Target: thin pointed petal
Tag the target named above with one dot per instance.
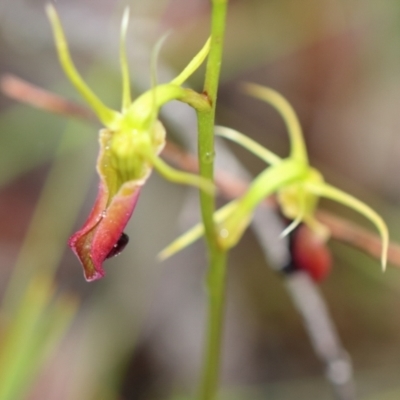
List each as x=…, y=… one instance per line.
x=299, y=218
x=291, y=227
x=330, y=192
x=251, y=145
x=195, y=63
x=298, y=148
x=182, y=242
x=266, y=183
x=126, y=83
x=271, y=180
x=105, y=114
x=153, y=68
x=195, y=233
x=154, y=58
x=181, y=177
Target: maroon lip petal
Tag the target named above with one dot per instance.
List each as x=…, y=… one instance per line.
x=94, y=216
x=111, y=227
x=103, y=229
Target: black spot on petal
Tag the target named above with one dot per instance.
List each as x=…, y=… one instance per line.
x=119, y=246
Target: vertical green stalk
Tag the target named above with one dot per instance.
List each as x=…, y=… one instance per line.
x=217, y=257
x=216, y=279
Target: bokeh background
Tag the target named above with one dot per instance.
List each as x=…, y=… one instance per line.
x=138, y=333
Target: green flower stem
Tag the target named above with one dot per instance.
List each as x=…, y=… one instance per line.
x=206, y=118
x=216, y=283
x=141, y=109
x=217, y=257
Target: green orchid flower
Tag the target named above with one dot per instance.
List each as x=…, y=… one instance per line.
x=298, y=187
x=130, y=144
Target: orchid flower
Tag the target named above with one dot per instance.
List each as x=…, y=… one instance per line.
x=130, y=144
x=298, y=187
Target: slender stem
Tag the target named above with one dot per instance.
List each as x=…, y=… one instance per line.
x=206, y=118
x=216, y=282
x=217, y=257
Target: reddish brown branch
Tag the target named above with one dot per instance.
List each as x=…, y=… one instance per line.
x=229, y=186
x=25, y=92
x=356, y=236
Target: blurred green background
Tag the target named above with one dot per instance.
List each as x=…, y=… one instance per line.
x=138, y=332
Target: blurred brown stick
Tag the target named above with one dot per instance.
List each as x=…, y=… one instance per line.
x=228, y=185
x=25, y=92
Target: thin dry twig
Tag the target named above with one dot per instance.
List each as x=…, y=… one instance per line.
x=228, y=185
x=25, y=92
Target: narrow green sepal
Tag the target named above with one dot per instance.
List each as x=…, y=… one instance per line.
x=195, y=63
x=181, y=177
x=106, y=115
x=251, y=145
x=266, y=183
x=194, y=233
x=330, y=192
x=298, y=149
x=126, y=82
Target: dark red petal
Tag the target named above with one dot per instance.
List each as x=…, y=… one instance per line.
x=311, y=254
x=94, y=216
x=103, y=229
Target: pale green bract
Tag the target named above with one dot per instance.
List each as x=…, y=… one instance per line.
x=298, y=187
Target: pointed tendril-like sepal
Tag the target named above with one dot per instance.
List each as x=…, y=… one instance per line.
x=106, y=115
x=180, y=177
x=265, y=184
x=332, y=193
x=154, y=58
x=144, y=110
x=251, y=145
x=195, y=233
x=154, y=107
x=298, y=148
x=126, y=83
x=193, y=65
x=293, y=225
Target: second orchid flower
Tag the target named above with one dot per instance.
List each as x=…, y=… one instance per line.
x=298, y=187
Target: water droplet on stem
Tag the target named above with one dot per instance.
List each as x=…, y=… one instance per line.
x=209, y=157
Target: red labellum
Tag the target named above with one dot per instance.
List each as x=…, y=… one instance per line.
x=311, y=254
x=102, y=235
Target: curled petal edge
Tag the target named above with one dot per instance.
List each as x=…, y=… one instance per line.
x=102, y=230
